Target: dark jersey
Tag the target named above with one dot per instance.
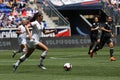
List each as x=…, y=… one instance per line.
x=94, y=35
x=95, y=25
x=106, y=36
x=108, y=26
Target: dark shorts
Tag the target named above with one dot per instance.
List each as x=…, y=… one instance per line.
x=94, y=37
x=105, y=40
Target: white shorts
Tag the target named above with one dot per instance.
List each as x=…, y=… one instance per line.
x=22, y=41
x=32, y=43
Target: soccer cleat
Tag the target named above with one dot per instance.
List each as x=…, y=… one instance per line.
x=112, y=59
x=42, y=67
x=14, y=53
x=91, y=54
x=15, y=67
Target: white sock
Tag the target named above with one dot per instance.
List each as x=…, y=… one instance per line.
x=18, y=62
x=43, y=55
x=22, y=58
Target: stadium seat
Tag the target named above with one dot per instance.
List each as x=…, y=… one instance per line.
x=3, y=5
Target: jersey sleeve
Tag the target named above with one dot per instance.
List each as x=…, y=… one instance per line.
x=93, y=25
x=33, y=23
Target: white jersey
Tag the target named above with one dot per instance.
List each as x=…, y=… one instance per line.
x=37, y=29
x=23, y=30
x=22, y=36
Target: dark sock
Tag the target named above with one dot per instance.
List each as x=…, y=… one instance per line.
x=96, y=48
x=111, y=52
x=90, y=47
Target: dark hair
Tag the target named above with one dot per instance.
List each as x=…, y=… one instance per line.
x=36, y=16
x=95, y=17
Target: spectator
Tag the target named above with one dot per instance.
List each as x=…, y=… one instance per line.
x=19, y=13
x=9, y=4
x=115, y=12
x=35, y=10
x=24, y=13
x=14, y=11
x=9, y=25
x=10, y=17
x=1, y=24
x=118, y=23
x=4, y=20
x=31, y=1
x=1, y=14
x=14, y=23
x=15, y=4
x=22, y=5
x=1, y=1
x=29, y=12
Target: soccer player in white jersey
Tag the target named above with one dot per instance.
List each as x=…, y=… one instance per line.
x=21, y=31
x=33, y=42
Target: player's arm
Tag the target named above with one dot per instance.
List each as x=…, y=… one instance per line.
x=18, y=31
x=92, y=29
x=109, y=31
x=28, y=31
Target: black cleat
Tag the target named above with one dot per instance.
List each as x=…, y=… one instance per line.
x=14, y=68
x=14, y=53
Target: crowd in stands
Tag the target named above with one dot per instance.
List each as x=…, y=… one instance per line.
x=12, y=12
x=114, y=6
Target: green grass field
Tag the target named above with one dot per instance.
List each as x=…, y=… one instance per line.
x=84, y=68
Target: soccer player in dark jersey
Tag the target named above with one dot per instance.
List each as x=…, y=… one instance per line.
x=94, y=35
x=106, y=37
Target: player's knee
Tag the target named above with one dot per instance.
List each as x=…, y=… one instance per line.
x=46, y=49
x=24, y=49
x=111, y=45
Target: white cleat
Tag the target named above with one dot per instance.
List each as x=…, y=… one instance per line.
x=42, y=67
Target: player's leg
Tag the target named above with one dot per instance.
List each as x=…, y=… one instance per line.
x=91, y=46
x=94, y=47
x=110, y=44
x=43, y=47
x=99, y=45
x=92, y=42
x=17, y=51
x=23, y=58
x=24, y=48
x=95, y=40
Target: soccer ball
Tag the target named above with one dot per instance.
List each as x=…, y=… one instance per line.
x=67, y=66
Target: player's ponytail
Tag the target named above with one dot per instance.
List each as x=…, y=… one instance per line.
x=36, y=15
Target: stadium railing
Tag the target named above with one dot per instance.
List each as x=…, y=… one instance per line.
x=55, y=15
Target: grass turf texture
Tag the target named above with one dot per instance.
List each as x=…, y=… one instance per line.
x=84, y=68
